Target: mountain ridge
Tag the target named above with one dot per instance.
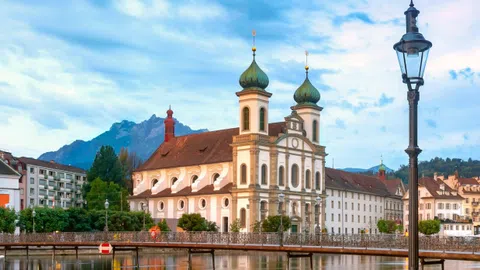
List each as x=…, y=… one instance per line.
x=373, y=169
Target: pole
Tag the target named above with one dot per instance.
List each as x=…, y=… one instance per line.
x=106, y=220
x=413, y=151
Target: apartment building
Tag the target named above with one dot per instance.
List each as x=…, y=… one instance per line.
x=52, y=184
x=9, y=187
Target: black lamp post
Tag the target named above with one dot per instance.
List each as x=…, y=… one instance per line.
x=106, y=215
x=33, y=219
x=412, y=52
x=143, y=210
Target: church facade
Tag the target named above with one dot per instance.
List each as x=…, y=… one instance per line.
x=238, y=173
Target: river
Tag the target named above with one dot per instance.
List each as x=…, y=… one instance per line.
x=223, y=260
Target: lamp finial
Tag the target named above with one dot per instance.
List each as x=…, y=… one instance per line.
x=411, y=3
x=306, y=63
x=254, y=49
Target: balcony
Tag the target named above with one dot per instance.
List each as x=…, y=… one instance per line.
x=45, y=197
x=475, y=203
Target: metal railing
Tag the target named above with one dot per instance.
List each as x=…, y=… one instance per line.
x=353, y=241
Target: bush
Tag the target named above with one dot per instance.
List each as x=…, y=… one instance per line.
x=235, y=226
x=196, y=223
x=7, y=220
x=163, y=226
x=272, y=223
x=429, y=227
x=386, y=226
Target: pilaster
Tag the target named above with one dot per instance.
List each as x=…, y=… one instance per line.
x=287, y=171
x=273, y=169
x=234, y=169
x=302, y=174
x=254, y=152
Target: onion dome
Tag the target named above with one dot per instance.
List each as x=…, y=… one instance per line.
x=254, y=78
x=306, y=94
x=382, y=167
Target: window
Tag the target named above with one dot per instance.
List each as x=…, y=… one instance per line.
x=346, y=206
x=447, y=206
x=358, y=208
x=263, y=210
x=421, y=217
x=466, y=200
x=154, y=182
x=353, y=208
x=307, y=179
x=262, y=119
x=203, y=203
x=226, y=202
x=370, y=208
x=280, y=176
x=32, y=191
x=174, y=180
x=314, y=129
x=317, y=180
x=454, y=206
x=421, y=206
x=181, y=204
x=32, y=170
x=339, y=205
x=332, y=218
x=429, y=206
x=358, y=219
x=440, y=206
x=294, y=175
x=243, y=174
x=51, y=173
x=32, y=180
x=161, y=205
x=332, y=204
x=264, y=175
x=194, y=178
x=246, y=118
x=339, y=218
x=364, y=219
x=42, y=171
x=243, y=217
x=364, y=207
x=375, y=208
x=339, y=230
x=215, y=177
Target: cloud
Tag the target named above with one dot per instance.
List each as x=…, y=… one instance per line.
x=340, y=124
x=384, y=100
x=361, y=16
x=431, y=123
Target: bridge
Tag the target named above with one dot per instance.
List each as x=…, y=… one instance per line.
x=294, y=244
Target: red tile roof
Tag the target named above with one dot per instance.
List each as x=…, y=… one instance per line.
x=434, y=185
x=187, y=191
x=51, y=165
x=201, y=148
x=467, y=181
x=338, y=179
x=392, y=185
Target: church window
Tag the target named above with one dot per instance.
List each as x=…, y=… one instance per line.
x=181, y=204
x=226, y=202
x=263, y=210
x=307, y=179
x=215, y=177
x=194, y=178
x=315, y=128
x=174, y=180
x=317, y=180
x=161, y=205
x=262, y=119
x=294, y=175
x=246, y=118
x=281, y=176
x=243, y=174
x=203, y=203
x=154, y=182
x=264, y=174
x=243, y=217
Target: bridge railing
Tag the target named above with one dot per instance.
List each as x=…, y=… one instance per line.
x=363, y=241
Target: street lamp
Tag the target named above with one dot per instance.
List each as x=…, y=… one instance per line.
x=412, y=52
x=318, y=200
x=33, y=215
x=106, y=215
x=281, y=199
x=143, y=209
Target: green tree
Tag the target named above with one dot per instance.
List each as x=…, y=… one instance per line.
x=129, y=161
x=429, y=227
x=78, y=220
x=235, y=226
x=46, y=219
x=162, y=224
x=386, y=226
x=101, y=190
x=211, y=226
x=272, y=223
x=106, y=166
x=7, y=220
x=196, y=223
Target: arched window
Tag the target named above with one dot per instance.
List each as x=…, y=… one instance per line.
x=264, y=174
x=243, y=174
x=263, y=210
x=243, y=217
x=194, y=178
x=174, y=180
x=215, y=177
x=280, y=176
x=246, y=118
x=317, y=213
x=262, y=119
x=154, y=182
x=317, y=180
x=314, y=131
x=294, y=175
x=307, y=179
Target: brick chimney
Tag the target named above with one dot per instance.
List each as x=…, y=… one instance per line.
x=169, y=124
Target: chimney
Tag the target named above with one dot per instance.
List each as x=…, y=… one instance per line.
x=52, y=161
x=435, y=175
x=169, y=124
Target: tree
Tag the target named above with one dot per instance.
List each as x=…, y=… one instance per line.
x=101, y=190
x=196, y=223
x=211, y=226
x=46, y=219
x=106, y=166
x=78, y=220
x=386, y=226
x=129, y=161
x=7, y=220
x=272, y=223
x=429, y=227
x=235, y=226
x=162, y=224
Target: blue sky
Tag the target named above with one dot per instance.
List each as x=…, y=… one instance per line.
x=69, y=69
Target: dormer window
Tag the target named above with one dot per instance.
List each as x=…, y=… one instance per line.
x=174, y=180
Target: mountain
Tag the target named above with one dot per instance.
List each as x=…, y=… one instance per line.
x=373, y=169
x=142, y=138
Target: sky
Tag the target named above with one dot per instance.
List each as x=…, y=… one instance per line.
x=70, y=69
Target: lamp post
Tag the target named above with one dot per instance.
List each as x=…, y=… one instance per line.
x=143, y=210
x=33, y=218
x=106, y=215
x=318, y=200
x=281, y=199
x=412, y=52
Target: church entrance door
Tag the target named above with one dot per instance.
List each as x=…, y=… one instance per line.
x=225, y=224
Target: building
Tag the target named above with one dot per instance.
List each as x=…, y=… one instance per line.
x=393, y=203
x=52, y=184
x=238, y=173
x=438, y=201
x=469, y=189
x=9, y=187
x=356, y=202
x=10, y=160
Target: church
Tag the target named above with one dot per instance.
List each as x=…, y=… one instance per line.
x=239, y=173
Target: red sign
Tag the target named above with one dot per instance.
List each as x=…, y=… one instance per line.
x=105, y=248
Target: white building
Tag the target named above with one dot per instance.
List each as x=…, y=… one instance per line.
x=9, y=187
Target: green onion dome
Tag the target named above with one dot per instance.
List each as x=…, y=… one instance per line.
x=254, y=77
x=306, y=94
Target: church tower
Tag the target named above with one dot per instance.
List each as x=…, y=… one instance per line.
x=307, y=97
x=382, y=171
x=253, y=99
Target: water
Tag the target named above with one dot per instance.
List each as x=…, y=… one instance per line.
x=159, y=260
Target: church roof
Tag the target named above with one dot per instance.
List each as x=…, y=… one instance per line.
x=433, y=187
x=187, y=191
x=342, y=180
x=197, y=149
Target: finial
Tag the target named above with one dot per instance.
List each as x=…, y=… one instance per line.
x=169, y=107
x=381, y=159
x=411, y=3
x=306, y=62
x=254, y=33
